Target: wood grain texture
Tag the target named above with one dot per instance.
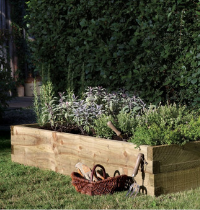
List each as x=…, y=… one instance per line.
x=174, y=157
x=170, y=168
x=85, y=148
x=177, y=180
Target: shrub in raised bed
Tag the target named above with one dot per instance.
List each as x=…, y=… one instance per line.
x=142, y=125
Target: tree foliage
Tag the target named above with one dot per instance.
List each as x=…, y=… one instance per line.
x=150, y=47
x=6, y=81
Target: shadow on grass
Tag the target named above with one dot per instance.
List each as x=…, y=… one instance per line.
x=5, y=140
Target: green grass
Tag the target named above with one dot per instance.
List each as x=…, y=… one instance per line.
x=24, y=187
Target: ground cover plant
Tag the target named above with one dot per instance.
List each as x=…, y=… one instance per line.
x=24, y=187
x=139, y=123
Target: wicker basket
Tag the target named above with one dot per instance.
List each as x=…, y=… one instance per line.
x=105, y=186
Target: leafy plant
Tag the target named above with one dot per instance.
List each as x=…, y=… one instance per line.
x=126, y=122
x=7, y=84
x=149, y=47
x=68, y=109
x=114, y=102
x=168, y=124
x=101, y=128
x=41, y=101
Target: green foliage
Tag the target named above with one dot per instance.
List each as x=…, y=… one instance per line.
x=126, y=122
x=101, y=128
x=20, y=39
x=169, y=124
x=6, y=81
x=150, y=47
x=67, y=109
x=41, y=101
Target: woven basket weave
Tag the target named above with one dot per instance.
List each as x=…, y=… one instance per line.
x=106, y=186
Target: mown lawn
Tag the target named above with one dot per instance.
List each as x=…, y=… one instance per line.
x=24, y=187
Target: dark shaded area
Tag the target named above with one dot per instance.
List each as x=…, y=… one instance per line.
x=5, y=140
x=18, y=116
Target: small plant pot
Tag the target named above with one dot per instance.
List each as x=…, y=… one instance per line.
x=20, y=91
x=29, y=86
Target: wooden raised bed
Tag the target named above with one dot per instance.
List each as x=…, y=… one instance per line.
x=170, y=168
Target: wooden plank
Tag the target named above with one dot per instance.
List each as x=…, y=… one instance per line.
x=33, y=157
x=177, y=181
x=29, y=136
x=174, y=153
x=179, y=166
x=65, y=164
x=101, y=150
x=98, y=149
x=175, y=168
x=174, y=157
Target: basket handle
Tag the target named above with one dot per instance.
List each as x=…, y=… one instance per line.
x=93, y=171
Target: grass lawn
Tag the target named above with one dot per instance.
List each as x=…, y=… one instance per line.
x=24, y=187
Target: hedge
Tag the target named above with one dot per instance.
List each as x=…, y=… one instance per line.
x=150, y=47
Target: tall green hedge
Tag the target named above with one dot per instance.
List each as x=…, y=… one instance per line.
x=147, y=46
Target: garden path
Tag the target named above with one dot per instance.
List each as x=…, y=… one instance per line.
x=20, y=111
x=21, y=102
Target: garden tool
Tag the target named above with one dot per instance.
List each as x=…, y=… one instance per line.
x=134, y=188
x=85, y=171
x=110, y=125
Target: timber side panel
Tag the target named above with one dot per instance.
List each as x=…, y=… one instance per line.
x=174, y=157
x=170, y=168
x=32, y=156
x=116, y=153
x=177, y=181
x=60, y=152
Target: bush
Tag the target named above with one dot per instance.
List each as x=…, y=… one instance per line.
x=155, y=125
x=150, y=47
x=70, y=110
x=169, y=124
x=165, y=124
